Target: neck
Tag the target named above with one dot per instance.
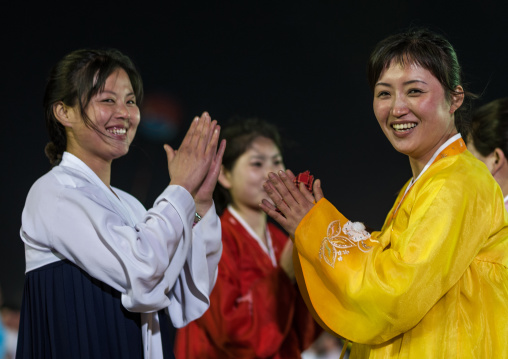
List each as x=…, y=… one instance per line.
x=101, y=168
x=255, y=218
x=501, y=177
x=418, y=163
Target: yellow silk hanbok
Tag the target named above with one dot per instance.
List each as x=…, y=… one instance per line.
x=433, y=283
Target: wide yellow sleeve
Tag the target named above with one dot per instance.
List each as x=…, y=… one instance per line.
x=369, y=292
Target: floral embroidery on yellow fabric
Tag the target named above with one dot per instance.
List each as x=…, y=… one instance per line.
x=338, y=239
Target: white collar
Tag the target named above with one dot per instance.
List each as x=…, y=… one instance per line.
x=267, y=249
x=71, y=161
x=438, y=151
x=429, y=163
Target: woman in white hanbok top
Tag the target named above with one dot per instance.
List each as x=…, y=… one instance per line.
x=104, y=275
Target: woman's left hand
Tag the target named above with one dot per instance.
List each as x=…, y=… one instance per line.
x=293, y=202
x=203, y=198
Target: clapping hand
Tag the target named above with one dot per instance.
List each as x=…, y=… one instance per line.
x=292, y=202
x=196, y=164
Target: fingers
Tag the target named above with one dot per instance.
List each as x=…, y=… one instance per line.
x=290, y=174
x=306, y=193
x=170, y=153
x=200, y=136
x=190, y=132
x=214, y=170
x=270, y=210
x=318, y=191
x=220, y=154
x=200, y=132
x=274, y=193
x=286, y=187
x=213, y=139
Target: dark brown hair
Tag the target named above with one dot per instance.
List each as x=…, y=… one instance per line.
x=489, y=127
x=74, y=80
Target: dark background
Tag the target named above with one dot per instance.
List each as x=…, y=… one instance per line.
x=299, y=64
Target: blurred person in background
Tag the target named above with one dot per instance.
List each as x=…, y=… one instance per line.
x=10, y=315
x=255, y=309
x=488, y=140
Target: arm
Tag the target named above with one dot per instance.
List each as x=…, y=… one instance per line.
x=190, y=294
x=129, y=250
x=365, y=296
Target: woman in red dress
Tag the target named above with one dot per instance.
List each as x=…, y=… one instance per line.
x=256, y=310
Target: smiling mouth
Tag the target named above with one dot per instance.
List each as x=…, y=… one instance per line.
x=117, y=131
x=400, y=127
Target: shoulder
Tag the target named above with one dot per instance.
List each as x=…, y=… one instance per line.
x=461, y=174
x=51, y=193
x=229, y=225
x=233, y=238
x=460, y=183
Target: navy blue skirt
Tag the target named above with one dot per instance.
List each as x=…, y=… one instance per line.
x=67, y=314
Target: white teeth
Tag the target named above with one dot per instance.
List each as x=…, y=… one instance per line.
x=403, y=126
x=118, y=131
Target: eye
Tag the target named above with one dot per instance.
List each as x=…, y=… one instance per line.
x=257, y=164
x=108, y=100
x=278, y=162
x=382, y=94
x=415, y=92
x=131, y=102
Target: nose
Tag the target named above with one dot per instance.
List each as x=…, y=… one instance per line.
x=275, y=168
x=399, y=107
x=123, y=111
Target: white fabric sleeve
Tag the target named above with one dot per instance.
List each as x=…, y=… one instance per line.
x=142, y=261
x=190, y=296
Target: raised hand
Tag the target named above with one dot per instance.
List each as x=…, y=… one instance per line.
x=203, y=198
x=293, y=203
x=189, y=166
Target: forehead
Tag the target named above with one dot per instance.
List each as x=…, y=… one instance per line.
x=118, y=77
x=406, y=71
x=262, y=146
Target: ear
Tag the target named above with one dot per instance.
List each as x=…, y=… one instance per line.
x=498, y=160
x=457, y=99
x=224, y=177
x=63, y=113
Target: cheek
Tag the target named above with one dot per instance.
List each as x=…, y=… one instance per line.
x=135, y=118
x=381, y=111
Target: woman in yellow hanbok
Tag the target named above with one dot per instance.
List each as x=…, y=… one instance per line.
x=433, y=283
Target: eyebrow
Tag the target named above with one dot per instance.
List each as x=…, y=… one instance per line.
x=260, y=156
x=405, y=83
x=114, y=93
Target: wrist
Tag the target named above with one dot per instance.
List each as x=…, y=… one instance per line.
x=203, y=206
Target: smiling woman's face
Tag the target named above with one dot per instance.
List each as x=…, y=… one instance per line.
x=115, y=115
x=413, y=111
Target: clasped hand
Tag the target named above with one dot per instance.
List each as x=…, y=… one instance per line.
x=292, y=202
x=196, y=164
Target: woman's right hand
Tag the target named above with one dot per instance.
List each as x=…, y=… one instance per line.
x=292, y=202
x=189, y=165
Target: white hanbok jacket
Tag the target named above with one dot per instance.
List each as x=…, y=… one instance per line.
x=155, y=258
